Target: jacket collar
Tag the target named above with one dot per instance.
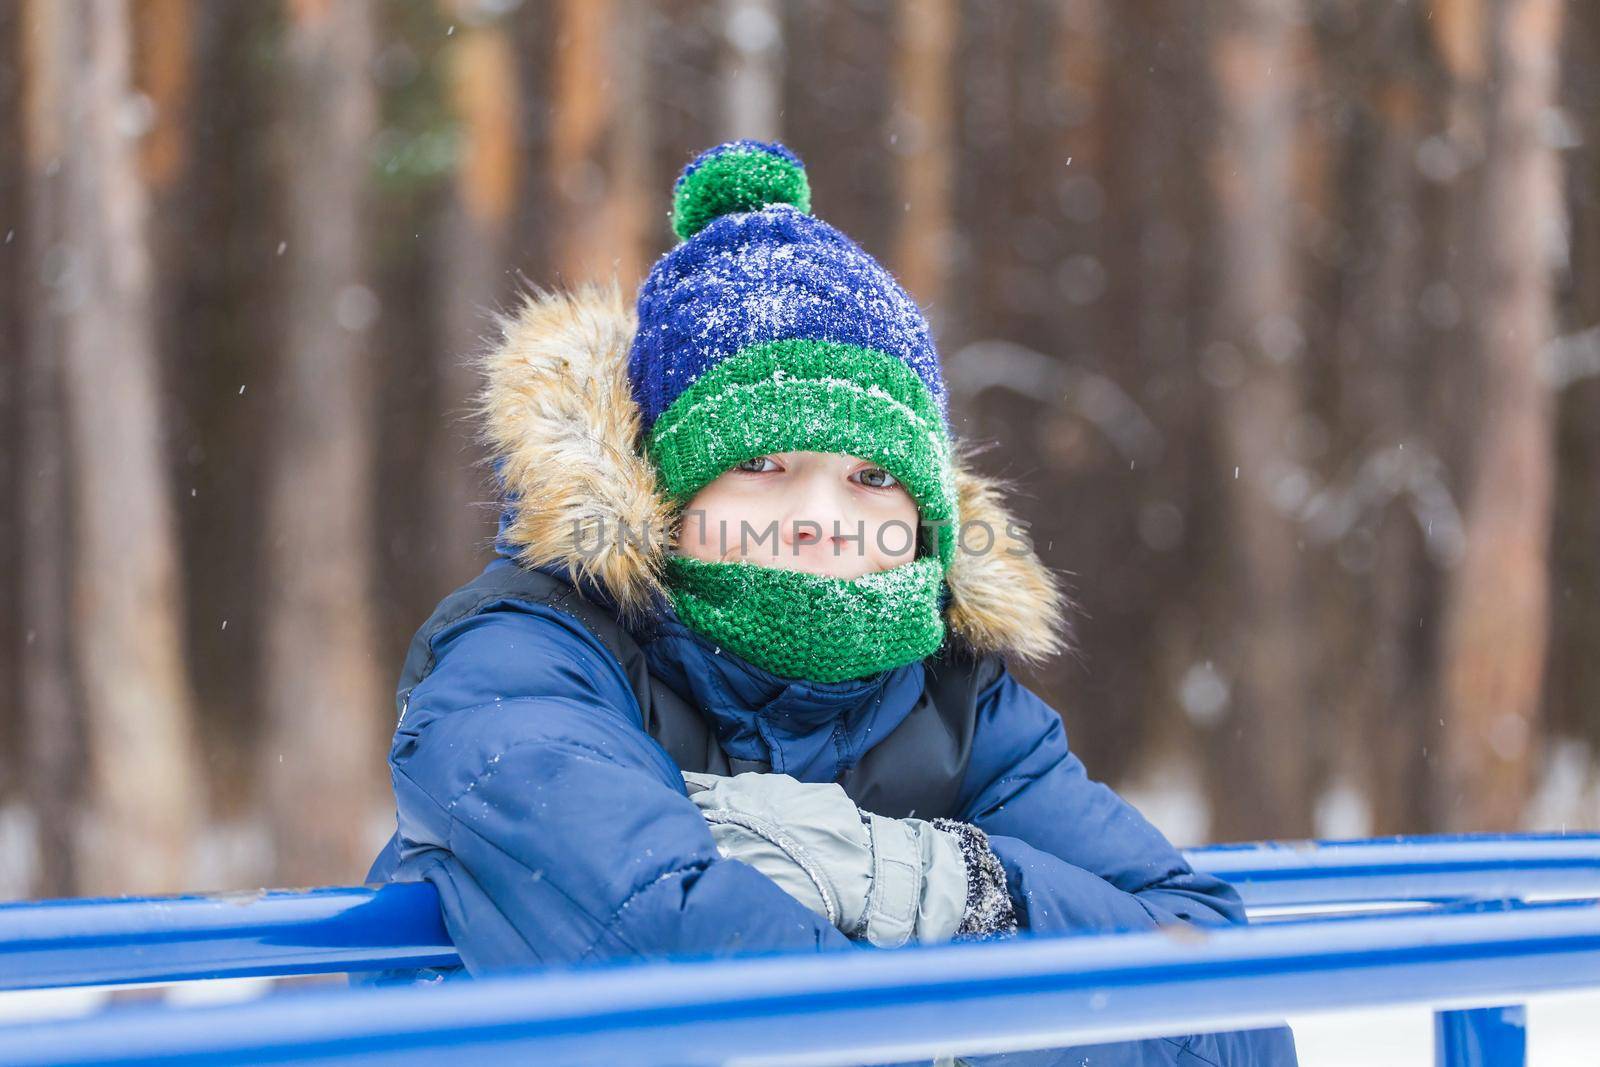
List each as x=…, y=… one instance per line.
x=812, y=730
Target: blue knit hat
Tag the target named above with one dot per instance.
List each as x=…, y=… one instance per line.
x=767, y=330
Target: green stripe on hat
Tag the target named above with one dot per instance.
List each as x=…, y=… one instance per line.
x=808, y=395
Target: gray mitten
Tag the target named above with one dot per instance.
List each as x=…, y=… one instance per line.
x=888, y=881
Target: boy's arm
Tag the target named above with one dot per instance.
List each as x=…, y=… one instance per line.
x=555, y=827
x=1077, y=856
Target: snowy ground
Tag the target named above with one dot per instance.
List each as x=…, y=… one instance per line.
x=1563, y=1030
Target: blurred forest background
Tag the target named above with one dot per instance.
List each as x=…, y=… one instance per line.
x=1284, y=315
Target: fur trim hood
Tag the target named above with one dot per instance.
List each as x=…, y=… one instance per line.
x=563, y=430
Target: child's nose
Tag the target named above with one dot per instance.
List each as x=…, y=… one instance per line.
x=815, y=510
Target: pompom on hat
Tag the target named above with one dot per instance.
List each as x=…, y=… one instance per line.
x=767, y=330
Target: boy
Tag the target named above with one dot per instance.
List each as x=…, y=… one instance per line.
x=738, y=679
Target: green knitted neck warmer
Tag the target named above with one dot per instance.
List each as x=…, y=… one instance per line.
x=802, y=625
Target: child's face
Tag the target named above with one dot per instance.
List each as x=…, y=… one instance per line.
x=823, y=512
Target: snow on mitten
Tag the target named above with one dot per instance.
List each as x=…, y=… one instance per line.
x=989, y=914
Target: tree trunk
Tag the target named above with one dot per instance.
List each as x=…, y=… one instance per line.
x=924, y=125
x=1495, y=625
x=12, y=373
x=1261, y=744
x=1574, y=676
x=144, y=783
x=48, y=728
x=472, y=281
x=826, y=71
x=1375, y=583
x=164, y=72
x=323, y=753
x=752, y=69
x=599, y=146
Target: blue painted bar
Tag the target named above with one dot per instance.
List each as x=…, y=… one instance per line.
x=868, y=1006
x=1481, y=1037
x=1428, y=868
x=89, y=942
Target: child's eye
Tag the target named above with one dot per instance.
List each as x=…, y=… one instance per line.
x=742, y=465
x=878, y=478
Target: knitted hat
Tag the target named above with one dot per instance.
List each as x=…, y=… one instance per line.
x=767, y=330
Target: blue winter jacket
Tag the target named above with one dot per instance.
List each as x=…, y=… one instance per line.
x=522, y=770
x=558, y=831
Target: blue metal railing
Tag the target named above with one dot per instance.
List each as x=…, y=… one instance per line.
x=1417, y=869
x=877, y=1006
x=227, y=935
x=92, y=942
